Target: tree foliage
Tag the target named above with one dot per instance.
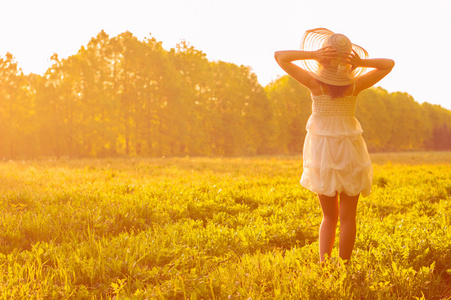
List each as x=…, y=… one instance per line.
x=120, y=96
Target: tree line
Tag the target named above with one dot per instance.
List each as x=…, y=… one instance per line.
x=121, y=96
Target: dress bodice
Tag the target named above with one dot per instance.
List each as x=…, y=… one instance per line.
x=325, y=105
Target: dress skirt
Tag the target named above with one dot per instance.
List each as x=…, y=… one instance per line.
x=335, y=157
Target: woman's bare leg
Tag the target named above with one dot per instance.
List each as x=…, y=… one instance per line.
x=348, y=208
x=329, y=205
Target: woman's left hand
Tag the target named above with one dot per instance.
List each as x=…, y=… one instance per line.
x=325, y=55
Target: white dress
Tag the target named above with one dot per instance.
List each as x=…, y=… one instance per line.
x=335, y=155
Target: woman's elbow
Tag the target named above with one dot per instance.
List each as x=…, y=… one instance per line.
x=390, y=64
x=280, y=57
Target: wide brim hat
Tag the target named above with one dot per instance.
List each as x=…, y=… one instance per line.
x=337, y=72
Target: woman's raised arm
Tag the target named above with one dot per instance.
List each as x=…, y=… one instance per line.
x=285, y=60
x=382, y=66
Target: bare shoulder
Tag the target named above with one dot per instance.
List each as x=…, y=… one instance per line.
x=315, y=88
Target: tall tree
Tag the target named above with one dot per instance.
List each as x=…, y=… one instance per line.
x=123, y=96
x=195, y=84
x=292, y=107
x=16, y=110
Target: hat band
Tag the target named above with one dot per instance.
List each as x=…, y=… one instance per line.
x=334, y=76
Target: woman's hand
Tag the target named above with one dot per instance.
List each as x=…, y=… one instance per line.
x=377, y=63
x=325, y=55
x=354, y=60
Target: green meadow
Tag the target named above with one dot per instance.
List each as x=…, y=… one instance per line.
x=217, y=228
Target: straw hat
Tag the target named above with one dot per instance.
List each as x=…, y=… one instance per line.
x=337, y=73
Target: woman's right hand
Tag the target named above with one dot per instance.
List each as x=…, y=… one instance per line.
x=354, y=60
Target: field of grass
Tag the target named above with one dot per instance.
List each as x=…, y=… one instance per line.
x=211, y=228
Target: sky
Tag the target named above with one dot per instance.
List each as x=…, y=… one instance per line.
x=414, y=33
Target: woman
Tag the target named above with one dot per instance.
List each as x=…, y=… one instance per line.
x=336, y=163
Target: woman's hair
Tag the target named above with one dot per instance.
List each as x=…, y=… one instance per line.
x=336, y=91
